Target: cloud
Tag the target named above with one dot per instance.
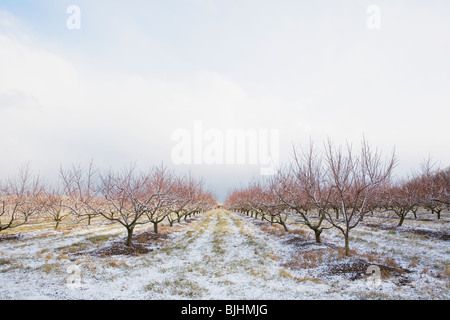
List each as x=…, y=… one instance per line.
x=55, y=112
x=118, y=90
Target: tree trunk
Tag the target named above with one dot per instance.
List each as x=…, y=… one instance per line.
x=57, y=225
x=284, y=225
x=155, y=227
x=89, y=220
x=129, y=236
x=347, y=246
x=402, y=218
x=438, y=214
x=317, y=233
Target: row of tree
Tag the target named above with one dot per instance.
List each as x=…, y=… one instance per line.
x=338, y=186
x=428, y=189
x=128, y=197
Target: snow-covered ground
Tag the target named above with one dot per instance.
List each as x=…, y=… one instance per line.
x=223, y=255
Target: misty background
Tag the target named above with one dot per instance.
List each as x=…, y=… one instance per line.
x=116, y=90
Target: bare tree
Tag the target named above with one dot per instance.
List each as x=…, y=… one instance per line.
x=443, y=179
x=338, y=178
x=127, y=196
x=435, y=185
x=9, y=214
x=302, y=190
x=401, y=198
x=354, y=181
x=20, y=198
x=55, y=207
x=80, y=187
x=163, y=197
x=260, y=199
x=182, y=191
x=269, y=203
x=120, y=197
x=200, y=199
x=206, y=200
x=28, y=188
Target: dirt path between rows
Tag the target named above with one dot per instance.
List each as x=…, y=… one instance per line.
x=221, y=258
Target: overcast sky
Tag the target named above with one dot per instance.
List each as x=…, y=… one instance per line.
x=137, y=72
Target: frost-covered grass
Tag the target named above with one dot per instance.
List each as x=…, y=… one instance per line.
x=224, y=255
